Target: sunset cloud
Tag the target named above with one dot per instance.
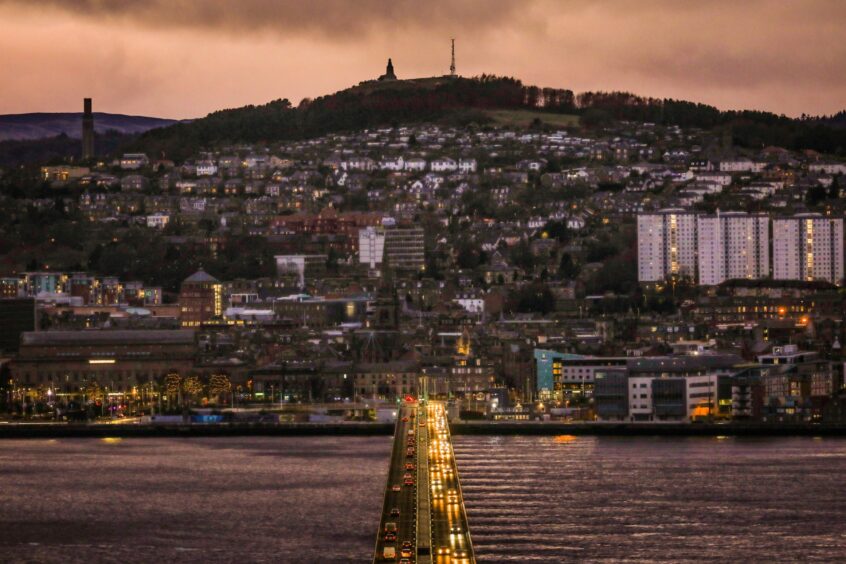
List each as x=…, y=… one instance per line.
x=184, y=58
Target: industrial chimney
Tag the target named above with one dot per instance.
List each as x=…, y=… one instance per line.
x=87, y=131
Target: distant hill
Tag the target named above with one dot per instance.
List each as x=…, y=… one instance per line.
x=482, y=100
x=369, y=104
x=22, y=127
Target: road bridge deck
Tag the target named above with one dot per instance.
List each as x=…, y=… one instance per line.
x=423, y=517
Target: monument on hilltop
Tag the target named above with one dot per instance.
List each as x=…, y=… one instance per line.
x=389, y=72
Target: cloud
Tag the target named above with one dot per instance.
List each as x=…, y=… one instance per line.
x=333, y=19
x=183, y=58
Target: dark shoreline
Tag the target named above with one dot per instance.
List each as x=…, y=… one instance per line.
x=54, y=431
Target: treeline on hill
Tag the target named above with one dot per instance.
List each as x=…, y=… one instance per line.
x=751, y=129
x=436, y=99
x=348, y=110
x=459, y=100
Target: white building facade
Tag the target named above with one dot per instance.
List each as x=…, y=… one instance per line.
x=371, y=246
x=733, y=245
x=808, y=247
x=666, y=245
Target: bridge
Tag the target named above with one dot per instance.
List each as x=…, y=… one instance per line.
x=423, y=517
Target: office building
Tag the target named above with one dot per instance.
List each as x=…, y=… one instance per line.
x=403, y=248
x=301, y=266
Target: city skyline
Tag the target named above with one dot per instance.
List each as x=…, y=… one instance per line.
x=183, y=60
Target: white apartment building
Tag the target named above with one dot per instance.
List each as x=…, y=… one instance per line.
x=808, y=247
x=443, y=164
x=733, y=245
x=471, y=303
x=466, y=165
x=666, y=244
x=828, y=168
x=742, y=165
x=158, y=220
x=371, y=246
x=206, y=168
x=415, y=164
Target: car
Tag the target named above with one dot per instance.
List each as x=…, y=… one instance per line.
x=409, y=466
x=409, y=453
x=395, y=512
x=407, y=544
x=396, y=488
x=390, y=527
x=404, y=561
x=409, y=482
x=407, y=476
x=405, y=419
x=390, y=537
x=455, y=530
x=389, y=553
x=405, y=552
x=422, y=423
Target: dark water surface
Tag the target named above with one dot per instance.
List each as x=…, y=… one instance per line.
x=316, y=499
x=607, y=499
x=256, y=499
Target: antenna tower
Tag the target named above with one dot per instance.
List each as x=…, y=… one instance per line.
x=452, y=65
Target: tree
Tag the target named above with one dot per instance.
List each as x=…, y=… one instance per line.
x=567, y=269
x=532, y=298
x=557, y=230
x=173, y=386
x=191, y=387
x=815, y=195
x=469, y=255
x=219, y=385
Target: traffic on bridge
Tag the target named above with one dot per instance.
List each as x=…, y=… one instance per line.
x=423, y=517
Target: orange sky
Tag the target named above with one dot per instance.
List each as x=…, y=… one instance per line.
x=185, y=58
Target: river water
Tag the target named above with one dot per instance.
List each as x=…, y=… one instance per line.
x=255, y=499
x=607, y=499
x=543, y=499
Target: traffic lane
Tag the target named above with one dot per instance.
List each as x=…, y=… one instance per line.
x=394, y=499
x=449, y=518
x=404, y=499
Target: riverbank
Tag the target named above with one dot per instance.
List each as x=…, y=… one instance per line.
x=537, y=428
x=58, y=430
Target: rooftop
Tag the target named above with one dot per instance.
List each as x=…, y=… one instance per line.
x=100, y=337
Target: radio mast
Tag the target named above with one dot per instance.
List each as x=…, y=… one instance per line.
x=452, y=65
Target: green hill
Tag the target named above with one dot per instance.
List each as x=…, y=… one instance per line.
x=484, y=99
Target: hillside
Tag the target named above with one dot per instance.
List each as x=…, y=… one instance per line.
x=483, y=100
x=46, y=125
x=369, y=104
